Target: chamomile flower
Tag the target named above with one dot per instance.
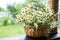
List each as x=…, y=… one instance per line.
x=35, y=25
x=47, y=14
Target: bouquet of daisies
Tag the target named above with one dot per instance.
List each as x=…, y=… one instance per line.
x=36, y=15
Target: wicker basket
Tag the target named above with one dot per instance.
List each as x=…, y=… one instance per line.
x=33, y=32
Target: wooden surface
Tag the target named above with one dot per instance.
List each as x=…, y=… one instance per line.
x=51, y=37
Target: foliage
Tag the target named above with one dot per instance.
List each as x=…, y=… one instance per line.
x=36, y=1
x=1, y=9
x=33, y=1
x=4, y=21
x=15, y=8
x=7, y=21
x=11, y=21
